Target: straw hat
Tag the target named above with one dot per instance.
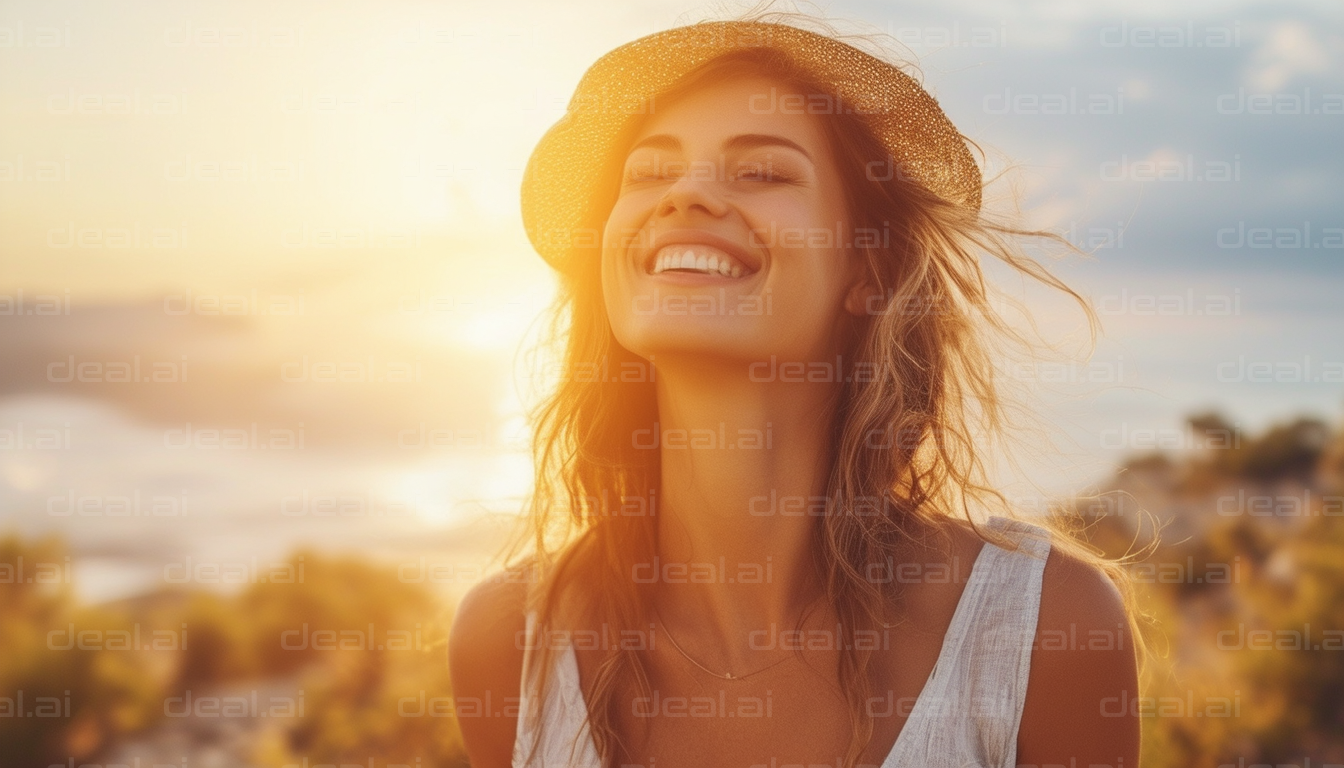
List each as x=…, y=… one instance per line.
x=569, y=161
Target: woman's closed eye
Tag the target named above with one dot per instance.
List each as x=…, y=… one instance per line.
x=753, y=172
x=767, y=175
x=637, y=175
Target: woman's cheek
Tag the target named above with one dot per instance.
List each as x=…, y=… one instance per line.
x=809, y=284
x=616, y=290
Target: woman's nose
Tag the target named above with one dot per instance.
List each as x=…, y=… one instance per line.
x=695, y=189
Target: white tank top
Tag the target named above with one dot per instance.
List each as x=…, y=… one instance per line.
x=967, y=715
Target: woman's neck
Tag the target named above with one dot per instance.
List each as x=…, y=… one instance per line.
x=743, y=483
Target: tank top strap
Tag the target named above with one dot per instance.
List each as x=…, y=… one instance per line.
x=998, y=636
x=558, y=724
x=527, y=697
x=971, y=709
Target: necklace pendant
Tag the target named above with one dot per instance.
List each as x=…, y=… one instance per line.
x=729, y=676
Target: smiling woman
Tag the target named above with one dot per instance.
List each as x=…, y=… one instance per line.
x=734, y=567
x=711, y=176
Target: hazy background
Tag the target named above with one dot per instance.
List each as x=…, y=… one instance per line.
x=255, y=189
x=298, y=222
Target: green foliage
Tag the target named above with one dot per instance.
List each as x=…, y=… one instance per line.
x=81, y=682
x=394, y=704
x=221, y=647
x=1247, y=607
x=1288, y=451
x=367, y=648
x=1247, y=599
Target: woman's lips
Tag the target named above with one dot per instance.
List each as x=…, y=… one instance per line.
x=697, y=258
x=685, y=253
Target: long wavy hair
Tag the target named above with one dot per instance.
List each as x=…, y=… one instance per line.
x=909, y=437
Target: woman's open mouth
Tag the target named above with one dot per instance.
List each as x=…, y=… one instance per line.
x=704, y=259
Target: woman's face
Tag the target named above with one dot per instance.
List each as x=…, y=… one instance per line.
x=729, y=238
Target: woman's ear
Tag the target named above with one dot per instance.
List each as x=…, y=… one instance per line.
x=863, y=297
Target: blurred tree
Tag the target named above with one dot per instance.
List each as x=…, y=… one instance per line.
x=221, y=645
x=72, y=679
x=1286, y=452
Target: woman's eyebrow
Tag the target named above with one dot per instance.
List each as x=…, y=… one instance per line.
x=657, y=141
x=738, y=142
x=755, y=140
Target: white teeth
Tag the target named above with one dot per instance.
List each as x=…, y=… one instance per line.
x=705, y=259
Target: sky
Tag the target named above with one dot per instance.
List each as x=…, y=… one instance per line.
x=254, y=189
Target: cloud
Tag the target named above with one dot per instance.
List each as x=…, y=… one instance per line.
x=1290, y=50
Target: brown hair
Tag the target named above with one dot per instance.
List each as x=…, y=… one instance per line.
x=930, y=393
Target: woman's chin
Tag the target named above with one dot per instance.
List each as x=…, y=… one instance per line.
x=697, y=343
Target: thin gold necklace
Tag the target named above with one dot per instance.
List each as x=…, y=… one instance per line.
x=707, y=670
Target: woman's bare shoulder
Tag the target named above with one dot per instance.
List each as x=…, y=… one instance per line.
x=1084, y=669
x=1083, y=662
x=485, y=661
x=491, y=611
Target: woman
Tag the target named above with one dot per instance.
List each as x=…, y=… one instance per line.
x=759, y=518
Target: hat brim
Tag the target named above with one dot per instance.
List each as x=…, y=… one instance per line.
x=568, y=163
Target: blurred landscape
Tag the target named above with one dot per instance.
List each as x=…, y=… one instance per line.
x=240, y=461
x=343, y=659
